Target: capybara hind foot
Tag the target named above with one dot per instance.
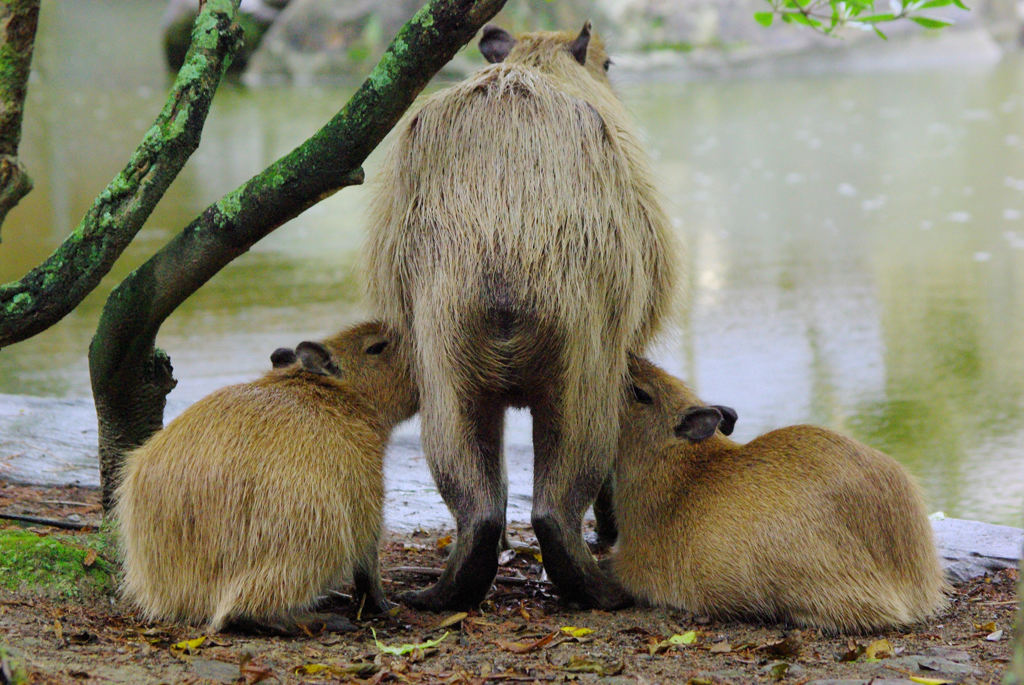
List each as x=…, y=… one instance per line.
x=437, y=598
x=604, y=593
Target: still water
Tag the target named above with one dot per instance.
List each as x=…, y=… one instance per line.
x=855, y=249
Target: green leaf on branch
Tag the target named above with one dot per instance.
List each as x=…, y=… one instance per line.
x=929, y=23
x=805, y=20
x=764, y=18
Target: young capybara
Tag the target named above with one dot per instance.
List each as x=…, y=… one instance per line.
x=800, y=525
x=518, y=242
x=262, y=496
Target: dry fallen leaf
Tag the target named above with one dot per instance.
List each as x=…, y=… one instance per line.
x=788, y=647
x=255, y=673
x=720, y=648
x=879, y=649
x=525, y=647
x=995, y=636
x=580, y=664
x=853, y=651
x=452, y=620
x=985, y=627
x=90, y=558
x=444, y=541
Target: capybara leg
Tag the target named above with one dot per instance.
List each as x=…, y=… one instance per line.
x=463, y=447
x=573, y=441
x=369, y=593
x=604, y=513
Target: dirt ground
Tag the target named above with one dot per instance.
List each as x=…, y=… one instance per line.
x=520, y=634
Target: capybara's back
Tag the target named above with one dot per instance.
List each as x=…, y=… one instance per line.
x=517, y=238
x=801, y=524
x=261, y=496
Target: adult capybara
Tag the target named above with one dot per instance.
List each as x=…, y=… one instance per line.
x=801, y=524
x=517, y=241
x=262, y=496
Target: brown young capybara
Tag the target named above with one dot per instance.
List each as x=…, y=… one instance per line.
x=262, y=496
x=800, y=525
x=517, y=241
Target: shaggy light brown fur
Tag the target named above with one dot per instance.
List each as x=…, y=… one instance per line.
x=262, y=496
x=517, y=240
x=801, y=524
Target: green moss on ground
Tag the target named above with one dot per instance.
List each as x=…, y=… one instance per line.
x=55, y=565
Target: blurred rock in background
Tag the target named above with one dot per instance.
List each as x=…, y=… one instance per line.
x=321, y=40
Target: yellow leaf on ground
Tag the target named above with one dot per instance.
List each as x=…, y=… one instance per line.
x=190, y=645
x=687, y=638
x=879, y=649
x=444, y=541
x=311, y=669
x=929, y=681
x=573, y=631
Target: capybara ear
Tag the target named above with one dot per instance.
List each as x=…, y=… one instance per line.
x=496, y=43
x=578, y=46
x=698, y=423
x=376, y=345
x=282, y=356
x=316, y=359
x=729, y=417
x=640, y=395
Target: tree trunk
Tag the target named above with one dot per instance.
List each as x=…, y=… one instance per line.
x=50, y=291
x=127, y=419
x=18, y=21
x=125, y=368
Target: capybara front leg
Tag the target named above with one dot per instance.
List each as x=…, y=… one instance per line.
x=369, y=593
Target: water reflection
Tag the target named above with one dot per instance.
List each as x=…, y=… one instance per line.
x=855, y=250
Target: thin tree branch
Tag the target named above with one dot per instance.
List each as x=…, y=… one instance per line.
x=18, y=21
x=323, y=164
x=50, y=291
x=54, y=523
x=126, y=370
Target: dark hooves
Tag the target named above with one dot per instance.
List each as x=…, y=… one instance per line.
x=432, y=600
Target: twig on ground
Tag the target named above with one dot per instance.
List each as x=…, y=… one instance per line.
x=68, y=525
x=436, y=573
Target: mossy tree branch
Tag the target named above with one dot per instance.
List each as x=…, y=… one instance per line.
x=50, y=291
x=130, y=377
x=18, y=21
